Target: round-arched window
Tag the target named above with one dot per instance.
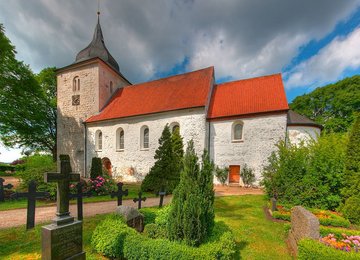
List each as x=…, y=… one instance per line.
x=237, y=131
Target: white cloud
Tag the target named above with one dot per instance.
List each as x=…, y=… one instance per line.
x=328, y=65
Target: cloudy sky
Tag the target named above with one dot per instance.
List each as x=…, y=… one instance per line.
x=310, y=42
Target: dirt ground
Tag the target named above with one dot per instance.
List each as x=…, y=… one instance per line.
x=17, y=217
x=13, y=180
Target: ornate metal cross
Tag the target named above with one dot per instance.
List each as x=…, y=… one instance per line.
x=139, y=199
x=63, y=180
x=79, y=196
x=2, y=187
x=119, y=193
x=31, y=196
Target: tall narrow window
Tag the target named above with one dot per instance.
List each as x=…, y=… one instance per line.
x=120, y=139
x=98, y=140
x=76, y=84
x=237, y=131
x=111, y=87
x=144, y=137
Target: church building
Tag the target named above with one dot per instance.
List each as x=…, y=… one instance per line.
x=101, y=114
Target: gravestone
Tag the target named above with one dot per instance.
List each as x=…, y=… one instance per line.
x=63, y=238
x=2, y=189
x=273, y=205
x=79, y=197
x=132, y=217
x=304, y=224
x=31, y=196
x=119, y=193
x=162, y=193
x=139, y=199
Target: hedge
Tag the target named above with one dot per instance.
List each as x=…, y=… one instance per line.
x=149, y=215
x=6, y=167
x=114, y=239
x=312, y=249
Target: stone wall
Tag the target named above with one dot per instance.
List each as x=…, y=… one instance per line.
x=133, y=163
x=260, y=134
x=297, y=134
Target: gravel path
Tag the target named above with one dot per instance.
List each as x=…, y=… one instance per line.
x=17, y=217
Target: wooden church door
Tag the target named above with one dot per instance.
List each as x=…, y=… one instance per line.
x=234, y=173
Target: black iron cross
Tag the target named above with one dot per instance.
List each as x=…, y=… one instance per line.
x=2, y=187
x=139, y=199
x=119, y=193
x=63, y=180
x=79, y=195
x=31, y=195
x=162, y=193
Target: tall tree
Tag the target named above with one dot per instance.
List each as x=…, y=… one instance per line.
x=27, y=102
x=334, y=106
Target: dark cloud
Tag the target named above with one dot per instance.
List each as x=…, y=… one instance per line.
x=240, y=38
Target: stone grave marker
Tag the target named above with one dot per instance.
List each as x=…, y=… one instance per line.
x=31, y=196
x=162, y=193
x=63, y=238
x=119, y=193
x=273, y=205
x=132, y=217
x=79, y=197
x=139, y=199
x=304, y=224
x=2, y=189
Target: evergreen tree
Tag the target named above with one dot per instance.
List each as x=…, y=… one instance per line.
x=96, y=167
x=192, y=213
x=165, y=170
x=352, y=162
x=178, y=155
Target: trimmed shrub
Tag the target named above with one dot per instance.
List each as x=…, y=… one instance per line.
x=162, y=215
x=96, y=167
x=149, y=215
x=222, y=174
x=109, y=236
x=140, y=247
x=248, y=176
x=351, y=209
x=312, y=249
x=155, y=231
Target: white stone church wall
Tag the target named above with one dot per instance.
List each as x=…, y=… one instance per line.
x=133, y=163
x=298, y=134
x=260, y=134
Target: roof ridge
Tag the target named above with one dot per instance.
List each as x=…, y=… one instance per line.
x=259, y=77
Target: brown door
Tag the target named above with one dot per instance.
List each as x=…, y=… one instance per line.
x=234, y=173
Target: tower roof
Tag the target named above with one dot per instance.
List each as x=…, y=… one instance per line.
x=97, y=48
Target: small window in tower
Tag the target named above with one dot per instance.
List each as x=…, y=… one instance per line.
x=111, y=87
x=76, y=84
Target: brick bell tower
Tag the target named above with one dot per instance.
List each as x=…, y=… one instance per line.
x=83, y=89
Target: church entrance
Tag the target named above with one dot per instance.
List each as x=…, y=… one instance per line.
x=234, y=174
x=107, y=165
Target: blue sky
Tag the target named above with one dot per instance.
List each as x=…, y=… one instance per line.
x=312, y=43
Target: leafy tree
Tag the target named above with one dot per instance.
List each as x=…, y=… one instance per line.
x=334, y=106
x=27, y=103
x=166, y=170
x=222, y=174
x=247, y=175
x=191, y=216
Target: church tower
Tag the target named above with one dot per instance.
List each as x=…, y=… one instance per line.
x=83, y=89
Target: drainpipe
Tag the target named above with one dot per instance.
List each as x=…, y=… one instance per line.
x=85, y=150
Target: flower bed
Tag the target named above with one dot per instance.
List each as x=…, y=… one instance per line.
x=326, y=217
x=345, y=242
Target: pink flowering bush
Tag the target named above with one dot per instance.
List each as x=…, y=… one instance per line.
x=102, y=185
x=345, y=242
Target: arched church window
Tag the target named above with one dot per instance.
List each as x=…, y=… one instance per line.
x=237, y=131
x=111, y=87
x=120, y=139
x=76, y=83
x=98, y=140
x=175, y=128
x=144, y=137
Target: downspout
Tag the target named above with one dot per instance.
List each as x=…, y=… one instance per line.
x=85, y=150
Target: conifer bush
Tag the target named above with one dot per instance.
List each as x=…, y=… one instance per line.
x=166, y=170
x=191, y=216
x=96, y=167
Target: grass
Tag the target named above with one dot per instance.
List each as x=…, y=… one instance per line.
x=256, y=237
x=22, y=203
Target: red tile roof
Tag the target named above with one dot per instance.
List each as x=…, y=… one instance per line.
x=249, y=96
x=177, y=92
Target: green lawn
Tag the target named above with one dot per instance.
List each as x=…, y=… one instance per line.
x=256, y=237
x=22, y=203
